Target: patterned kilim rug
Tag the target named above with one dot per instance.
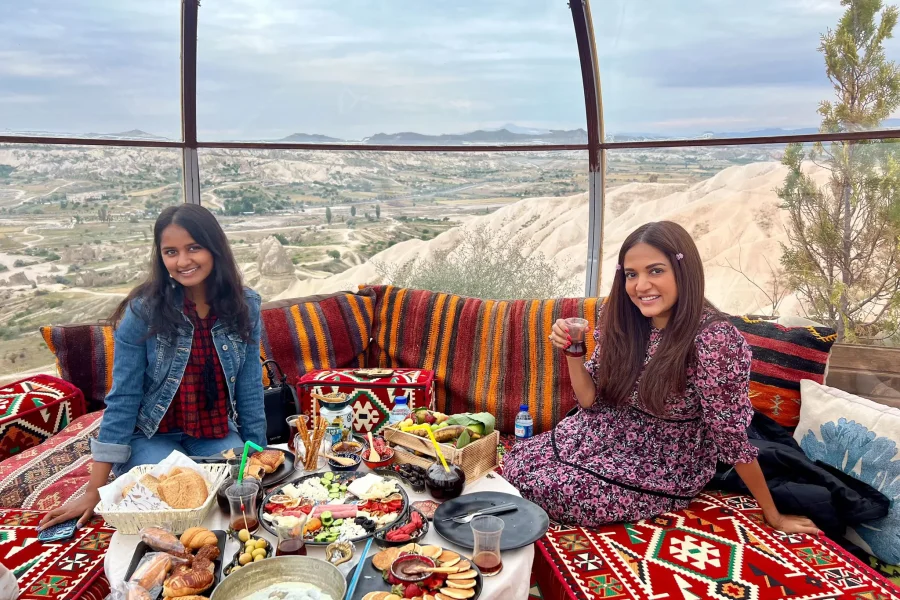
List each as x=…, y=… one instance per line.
x=59, y=571
x=716, y=548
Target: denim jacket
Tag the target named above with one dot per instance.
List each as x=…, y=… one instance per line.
x=147, y=373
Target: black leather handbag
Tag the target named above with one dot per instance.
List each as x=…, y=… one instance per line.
x=281, y=402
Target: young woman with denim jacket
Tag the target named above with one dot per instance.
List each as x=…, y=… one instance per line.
x=186, y=371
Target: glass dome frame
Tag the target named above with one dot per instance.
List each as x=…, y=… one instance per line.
x=597, y=146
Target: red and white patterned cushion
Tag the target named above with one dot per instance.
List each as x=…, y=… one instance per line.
x=32, y=410
x=45, y=476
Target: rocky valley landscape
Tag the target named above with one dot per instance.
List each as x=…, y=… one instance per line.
x=76, y=222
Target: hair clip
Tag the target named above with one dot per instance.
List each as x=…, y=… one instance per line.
x=679, y=256
x=618, y=267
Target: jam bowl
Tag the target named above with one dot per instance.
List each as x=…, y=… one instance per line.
x=406, y=561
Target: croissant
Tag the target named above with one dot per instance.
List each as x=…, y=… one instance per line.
x=182, y=569
x=152, y=572
x=197, y=537
x=202, y=564
x=209, y=552
x=188, y=584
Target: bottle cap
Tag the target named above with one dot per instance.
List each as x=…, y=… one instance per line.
x=400, y=400
x=523, y=407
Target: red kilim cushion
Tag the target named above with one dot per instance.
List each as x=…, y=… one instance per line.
x=718, y=547
x=34, y=409
x=62, y=571
x=47, y=475
x=782, y=356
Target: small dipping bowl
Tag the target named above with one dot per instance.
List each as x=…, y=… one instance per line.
x=411, y=558
x=339, y=467
x=351, y=446
x=387, y=457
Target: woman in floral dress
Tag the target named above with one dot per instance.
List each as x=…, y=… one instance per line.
x=662, y=398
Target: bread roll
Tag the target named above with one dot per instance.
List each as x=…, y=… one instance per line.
x=150, y=482
x=188, y=584
x=187, y=489
x=152, y=572
x=197, y=537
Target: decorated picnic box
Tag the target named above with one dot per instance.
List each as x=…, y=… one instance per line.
x=371, y=391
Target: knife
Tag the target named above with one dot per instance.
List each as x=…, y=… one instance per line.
x=491, y=510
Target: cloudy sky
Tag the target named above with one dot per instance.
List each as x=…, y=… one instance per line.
x=269, y=68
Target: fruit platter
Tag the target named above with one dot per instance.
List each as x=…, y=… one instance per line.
x=418, y=573
x=345, y=505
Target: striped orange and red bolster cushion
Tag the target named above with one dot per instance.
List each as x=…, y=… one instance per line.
x=782, y=356
x=301, y=334
x=487, y=355
x=317, y=332
x=84, y=355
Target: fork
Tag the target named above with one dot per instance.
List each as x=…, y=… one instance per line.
x=491, y=510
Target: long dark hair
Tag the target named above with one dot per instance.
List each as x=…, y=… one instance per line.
x=626, y=332
x=160, y=293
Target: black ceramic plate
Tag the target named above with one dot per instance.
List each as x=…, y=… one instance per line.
x=523, y=526
x=279, y=474
x=341, y=477
x=370, y=580
x=143, y=549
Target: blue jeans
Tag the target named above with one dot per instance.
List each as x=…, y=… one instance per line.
x=149, y=451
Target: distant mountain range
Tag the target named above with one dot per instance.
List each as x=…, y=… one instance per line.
x=509, y=134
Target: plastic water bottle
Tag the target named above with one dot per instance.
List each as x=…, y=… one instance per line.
x=400, y=410
x=524, y=424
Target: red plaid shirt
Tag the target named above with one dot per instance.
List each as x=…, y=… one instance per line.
x=200, y=407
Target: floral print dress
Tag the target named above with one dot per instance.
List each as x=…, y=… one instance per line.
x=606, y=464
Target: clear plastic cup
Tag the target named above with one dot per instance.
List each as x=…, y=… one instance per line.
x=243, y=505
x=487, y=531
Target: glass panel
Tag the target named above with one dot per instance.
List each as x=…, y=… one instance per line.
x=749, y=210
x=725, y=69
x=310, y=222
x=88, y=69
x=366, y=71
x=75, y=234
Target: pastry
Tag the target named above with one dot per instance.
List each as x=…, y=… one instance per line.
x=186, y=489
x=160, y=539
x=182, y=569
x=254, y=471
x=209, y=552
x=269, y=459
x=152, y=572
x=188, y=584
x=202, y=564
x=195, y=538
x=127, y=489
x=136, y=592
x=150, y=482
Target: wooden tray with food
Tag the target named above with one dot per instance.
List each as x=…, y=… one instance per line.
x=336, y=504
x=418, y=572
x=468, y=441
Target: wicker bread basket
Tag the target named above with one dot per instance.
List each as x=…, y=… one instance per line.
x=175, y=519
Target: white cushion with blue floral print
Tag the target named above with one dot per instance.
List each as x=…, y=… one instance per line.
x=861, y=438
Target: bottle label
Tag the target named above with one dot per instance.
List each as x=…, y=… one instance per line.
x=524, y=431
